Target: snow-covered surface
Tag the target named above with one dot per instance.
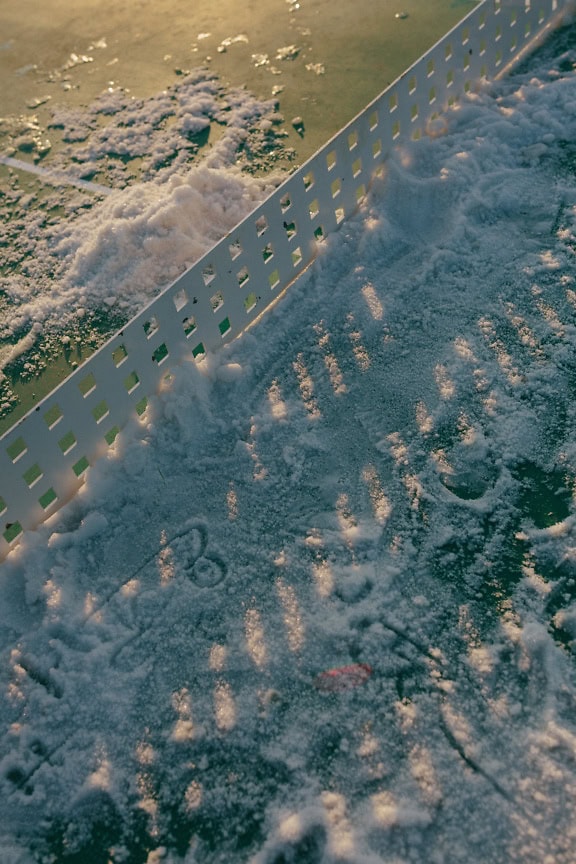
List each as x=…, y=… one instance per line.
x=78, y=264
x=381, y=473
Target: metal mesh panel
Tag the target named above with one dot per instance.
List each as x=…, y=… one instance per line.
x=44, y=458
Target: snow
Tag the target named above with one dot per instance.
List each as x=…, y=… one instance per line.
x=87, y=274
x=381, y=473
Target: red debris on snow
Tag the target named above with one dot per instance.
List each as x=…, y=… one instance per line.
x=343, y=678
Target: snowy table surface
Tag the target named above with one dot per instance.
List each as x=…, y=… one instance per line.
x=380, y=476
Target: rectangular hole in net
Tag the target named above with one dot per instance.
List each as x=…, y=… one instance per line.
x=513, y=17
x=498, y=58
x=208, y=273
x=48, y=498
x=261, y=224
x=3, y=505
x=357, y=167
x=497, y=6
x=416, y=134
x=450, y=78
x=373, y=121
x=432, y=95
x=296, y=256
x=290, y=228
x=430, y=68
x=377, y=148
x=216, y=301
x=17, y=449
x=314, y=208
x=141, y=406
x=235, y=249
x=224, y=326
x=482, y=21
x=308, y=180
x=527, y=29
x=396, y=130
x=412, y=84
x=451, y=101
x=513, y=44
x=100, y=411
x=33, y=475
x=243, y=276
x=285, y=203
x=482, y=47
x=268, y=252
x=274, y=279
x=87, y=385
x=498, y=33
x=111, y=435
x=540, y=16
x=339, y=214
x=466, y=62
x=393, y=102
x=352, y=140
x=483, y=71
x=361, y=191
x=160, y=354
x=448, y=51
x=189, y=325
x=12, y=531
x=331, y=160
x=119, y=355
x=80, y=466
x=53, y=416
x=180, y=299
x=465, y=36
x=413, y=112
x=250, y=302
x=335, y=187
x=131, y=382
x=151, y=327
x=199, y=352
x=319, y=234
x=67, y=443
